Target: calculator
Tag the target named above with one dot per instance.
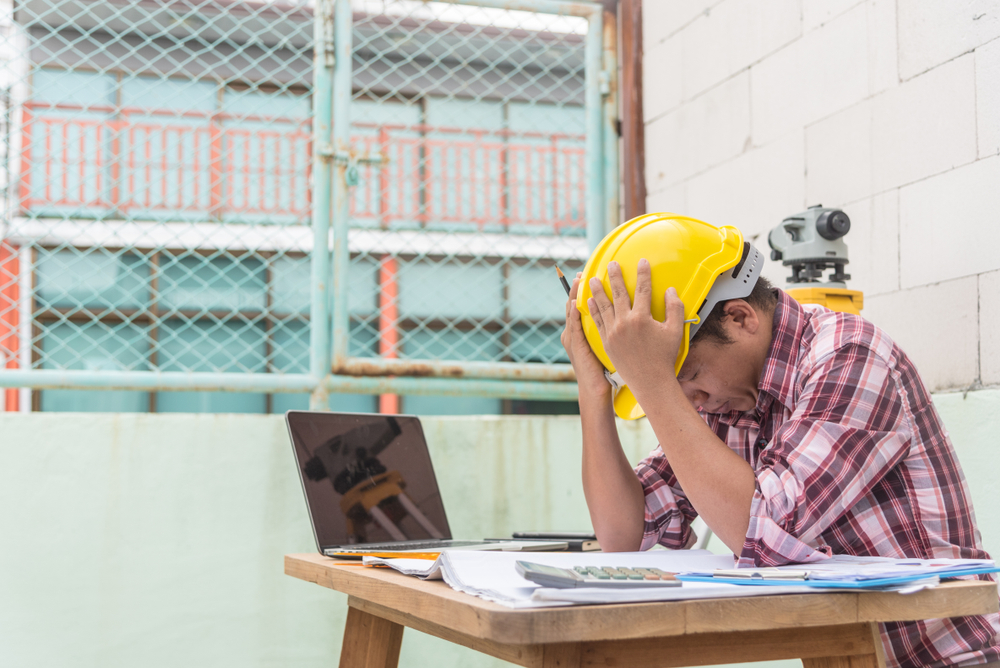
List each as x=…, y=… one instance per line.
x=619, y=577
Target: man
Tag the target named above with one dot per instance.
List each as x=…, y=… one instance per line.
x=795, y=432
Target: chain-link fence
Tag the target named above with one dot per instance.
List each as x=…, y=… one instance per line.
x=171, y=166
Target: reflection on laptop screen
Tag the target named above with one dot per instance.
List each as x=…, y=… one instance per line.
x=367, y=478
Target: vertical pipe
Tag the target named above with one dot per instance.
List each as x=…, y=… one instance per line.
x=341, y=145
x=595, y=123
x=633, y=131
x=611, y=178
x=611, y=181
x=322, y=147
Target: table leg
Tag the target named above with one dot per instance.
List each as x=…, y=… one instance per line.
x=370, y=641
x=562, y=655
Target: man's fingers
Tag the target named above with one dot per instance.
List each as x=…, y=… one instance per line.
x=643, y=288
x=619, y=293
x=600, y=297
x=674, y=307
x=596, y=315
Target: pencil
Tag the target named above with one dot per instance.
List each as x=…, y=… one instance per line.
x=562, y=278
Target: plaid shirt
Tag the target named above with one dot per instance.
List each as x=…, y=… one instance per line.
x=850, y=458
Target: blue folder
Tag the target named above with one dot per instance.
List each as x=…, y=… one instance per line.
x=840, y=584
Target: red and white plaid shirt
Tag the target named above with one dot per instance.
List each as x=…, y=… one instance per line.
x=851, y=458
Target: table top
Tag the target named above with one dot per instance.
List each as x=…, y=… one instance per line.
x=387, y=591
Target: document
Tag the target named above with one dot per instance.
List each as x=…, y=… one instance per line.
x=849, y=572
x=492, y=576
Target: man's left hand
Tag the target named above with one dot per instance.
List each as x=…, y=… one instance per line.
x=642, y=348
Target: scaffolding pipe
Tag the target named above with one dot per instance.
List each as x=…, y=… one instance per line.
x=342, y=144
x=322, y=101
x=558, y=7
x=374, y=366
x=179, y=381
x=596, y=225
x=610, y=114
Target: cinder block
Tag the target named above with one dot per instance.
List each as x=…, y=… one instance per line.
x=932, y=32
x=701, y=133
x=989, y=327
x=661, y=79
x=988, y=98
x=817, y=12
x=838, y=157
x=937, y=326
x=873, y=244
x=662, y=18
x=673, y=200
x=925, y=126
x=883, y=51
x=734, y=35
x=816, y=76
x=755, y=191
x=949, y=224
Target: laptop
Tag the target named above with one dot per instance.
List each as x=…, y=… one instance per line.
x=370, y=487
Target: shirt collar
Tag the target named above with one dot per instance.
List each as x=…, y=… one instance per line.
x=777, y=378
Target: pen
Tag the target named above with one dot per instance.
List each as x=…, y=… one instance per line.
x=562, y=279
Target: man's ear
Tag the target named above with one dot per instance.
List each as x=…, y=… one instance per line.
x=742, y=317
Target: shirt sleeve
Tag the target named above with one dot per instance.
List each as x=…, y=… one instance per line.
x=847, y=430
x=668, y=514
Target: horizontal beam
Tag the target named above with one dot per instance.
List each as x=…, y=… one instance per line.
x=560, y=7
x=173, y=381
x=362, y=366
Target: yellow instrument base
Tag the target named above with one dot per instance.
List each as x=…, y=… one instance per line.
x=835, y=299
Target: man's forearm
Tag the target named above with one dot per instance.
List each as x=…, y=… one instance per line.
x=614, y=494
x=718, y=482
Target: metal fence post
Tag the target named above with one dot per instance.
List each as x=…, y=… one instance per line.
x=341, y=210
x=322, y=102
x=596, y=214
x=610, y=107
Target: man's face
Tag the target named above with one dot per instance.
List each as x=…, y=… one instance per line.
x=722, y=377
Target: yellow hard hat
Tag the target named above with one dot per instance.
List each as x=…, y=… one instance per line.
x=704, y=263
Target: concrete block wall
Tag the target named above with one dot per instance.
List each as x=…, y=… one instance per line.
x=889, y=109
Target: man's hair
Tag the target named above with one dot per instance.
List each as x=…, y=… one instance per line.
x=763, y=298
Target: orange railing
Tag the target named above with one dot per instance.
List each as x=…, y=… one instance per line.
x=137, y=162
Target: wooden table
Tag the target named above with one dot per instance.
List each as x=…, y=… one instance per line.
x=824, y=630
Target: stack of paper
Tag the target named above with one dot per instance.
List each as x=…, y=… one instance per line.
x=491, y=576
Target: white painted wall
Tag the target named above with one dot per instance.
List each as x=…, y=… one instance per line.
x=889, y=109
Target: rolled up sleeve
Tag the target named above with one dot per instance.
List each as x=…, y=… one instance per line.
x=848, y=429
x=668, y=514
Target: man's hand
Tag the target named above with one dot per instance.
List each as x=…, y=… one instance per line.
x=642, y=349
x=589, y=370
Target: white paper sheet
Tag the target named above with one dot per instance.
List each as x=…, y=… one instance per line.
x=491, y=575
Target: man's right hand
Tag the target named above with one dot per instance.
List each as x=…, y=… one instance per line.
x=589, y=370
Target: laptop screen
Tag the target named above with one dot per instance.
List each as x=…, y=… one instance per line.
x=367, y=478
